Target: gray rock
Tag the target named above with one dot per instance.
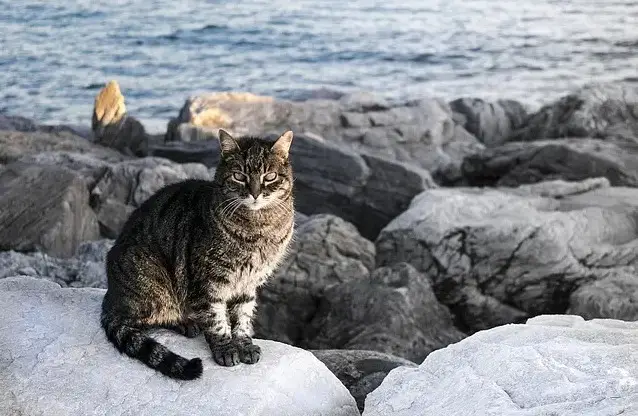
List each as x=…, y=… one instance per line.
x=366, y=190
x=601, y=110
x=85, y=269
x=124, y=186
x=491, y=122
x=86, y=165
x=553, y=365
x=359, y=370
x=422, y=133
x=394, y=311
x=53, y=216
x=614, y=297
x=58, y=362
x=573, y=159
x=497, y=256
x=326, y=251
x=15, y=145
x=17, y=123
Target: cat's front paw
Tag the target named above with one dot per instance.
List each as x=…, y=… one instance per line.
x=226, y=354
x=249, y=353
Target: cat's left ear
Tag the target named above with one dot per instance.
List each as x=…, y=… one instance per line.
x=227, y=142
x=282, y=145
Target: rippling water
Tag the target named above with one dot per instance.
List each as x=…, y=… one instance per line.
x=55, y=55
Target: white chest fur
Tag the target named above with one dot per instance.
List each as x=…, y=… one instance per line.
x=258, y=269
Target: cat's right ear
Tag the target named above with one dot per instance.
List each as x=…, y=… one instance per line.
x=226, y=142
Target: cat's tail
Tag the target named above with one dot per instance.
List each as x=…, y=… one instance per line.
x=133, y=342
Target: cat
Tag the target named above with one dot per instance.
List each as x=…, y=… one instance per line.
x=192, y=256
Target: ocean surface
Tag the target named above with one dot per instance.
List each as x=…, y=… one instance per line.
x=55, y=55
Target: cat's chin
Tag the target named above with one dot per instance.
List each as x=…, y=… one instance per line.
x=255, y=205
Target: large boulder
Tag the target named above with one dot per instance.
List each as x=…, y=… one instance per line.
x=57, y=361
x=326, y=251
x=394, y=311
x=360, y=371
x=126, y=185
x=423, y=132
x=602, y=110
x=44, y=208
x=553, y=365
x=85, y=269
x=490, y=122
x=572, y=159
x=497, y=256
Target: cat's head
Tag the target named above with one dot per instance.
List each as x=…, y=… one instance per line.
x=253, y=172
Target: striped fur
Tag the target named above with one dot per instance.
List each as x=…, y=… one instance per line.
x=192, y=256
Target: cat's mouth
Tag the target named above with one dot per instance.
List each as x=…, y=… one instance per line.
x=255, y=204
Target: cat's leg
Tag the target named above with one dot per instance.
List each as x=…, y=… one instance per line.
x=242, y=309
x=212, y=318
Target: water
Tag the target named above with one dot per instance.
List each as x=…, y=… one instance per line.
x=55, y=55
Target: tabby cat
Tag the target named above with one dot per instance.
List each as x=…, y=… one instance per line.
x=191, y=257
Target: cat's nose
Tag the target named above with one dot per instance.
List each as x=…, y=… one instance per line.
x=254, y=189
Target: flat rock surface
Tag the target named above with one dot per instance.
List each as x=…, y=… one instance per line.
x=553, y=365
x=55, y=360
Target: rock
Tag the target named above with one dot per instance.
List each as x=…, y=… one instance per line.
x=15, y=145
x=600, y=110
x=124, y=186
x=394, y=311
x=366, y=190
x=85, y=269
x=326, y=251
x=205, y=152
x=58, y=362
x=553, y=365
x=54, y=216
x=113, y=128
x=518, y=163
x=422, y=133
x=490, y=122
x=359, y=370
x=85, y=164
x=17, y=123
x=613, y=297
x=497, y=256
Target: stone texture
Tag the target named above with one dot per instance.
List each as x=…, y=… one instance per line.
x=124, y=186
x=497, y=256
x=57, y=361
x=422, y=133
x=85, y=269
x=326, y=251
x=490, y=122
x=615, y=296
x=44, y=208
x=15, y=145
x=572, y=159
x=553, y=365
x=360, y=371
x=600, y=110
x=394, y=311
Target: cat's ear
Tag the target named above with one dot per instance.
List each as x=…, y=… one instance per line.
x=227, y=143
x=282, y=145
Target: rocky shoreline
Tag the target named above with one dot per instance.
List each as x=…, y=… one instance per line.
x=418, y=224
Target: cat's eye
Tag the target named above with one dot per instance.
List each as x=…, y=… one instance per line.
x=271, y=176
x=239, y=177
